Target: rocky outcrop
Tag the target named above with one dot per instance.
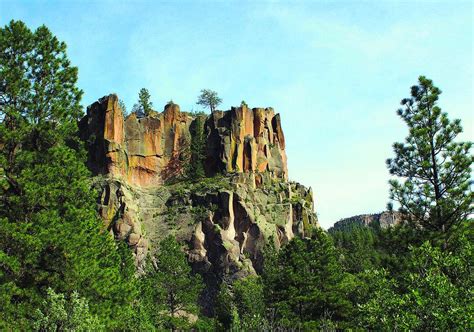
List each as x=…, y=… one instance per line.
x=150, y=151
x=140, y=151
x=246, y=140
x=383, y=220
x=244, y=202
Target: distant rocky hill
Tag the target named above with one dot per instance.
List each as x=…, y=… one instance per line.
x=384, y=219
x=226, y=218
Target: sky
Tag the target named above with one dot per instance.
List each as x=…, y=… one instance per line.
x=335, y=71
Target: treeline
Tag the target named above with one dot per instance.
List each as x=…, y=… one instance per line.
x=60, y=270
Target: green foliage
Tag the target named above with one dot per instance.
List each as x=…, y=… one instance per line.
x=209, y=98
x=436, y=170
x=61, y=314
x=436, y=293
x=144, y=105
x=171, y=214
x=60, y=270
x=429, y=287
x=241, y=306
x=170, y=290
x=249, y=301
x=211, y=184
x=224, y=308
x=199, y=213
x=198, y=149
x=364, y=248
x=358, y=248
x=123, y=107
x=307, y=283
x=50, y=233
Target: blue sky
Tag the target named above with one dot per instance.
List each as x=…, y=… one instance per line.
x=336, y=72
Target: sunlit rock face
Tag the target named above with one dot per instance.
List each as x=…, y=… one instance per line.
x=150, y=151
x=225, y=219
x=141, y=151
x=246, y=140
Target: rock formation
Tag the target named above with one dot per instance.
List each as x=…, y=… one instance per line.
x=384, y=220
x=148, y=152
x=225, y=219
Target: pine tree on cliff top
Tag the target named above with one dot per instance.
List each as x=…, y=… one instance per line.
x=50, y=233
x=435, y=169
x=210, y=99
x=144, y=105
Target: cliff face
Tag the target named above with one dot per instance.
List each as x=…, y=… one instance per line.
x=384, y=220
x=244, y=201
x=148, y=152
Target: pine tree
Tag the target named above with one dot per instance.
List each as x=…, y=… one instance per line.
x=60, y=313
x=123, y=107
x=144, y=105
x=50, y=233
x=433, y=293
x=306, y=284
x=249, y=300
x=435, y=190
x=209, y=98
x=172, y=288
x=197, y=149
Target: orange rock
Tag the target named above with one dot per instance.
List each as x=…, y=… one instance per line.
x=113, y=130
x=148, y=151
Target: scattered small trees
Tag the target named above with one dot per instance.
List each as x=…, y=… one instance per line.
x=209, y=98
x=436, y=170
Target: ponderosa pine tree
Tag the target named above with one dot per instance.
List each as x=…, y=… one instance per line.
x=436, y=170
x=172, y=289
x=197, y=149
x=434, y=292
x=60, y=313
x=306, y=284
x=50, y=233
x=144, y=105
x=209, y=98
x=249, y=301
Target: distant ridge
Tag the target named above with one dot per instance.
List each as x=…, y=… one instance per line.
x=383, y=220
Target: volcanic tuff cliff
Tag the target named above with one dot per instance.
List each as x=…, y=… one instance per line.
x=383, y=220
x=225, y=219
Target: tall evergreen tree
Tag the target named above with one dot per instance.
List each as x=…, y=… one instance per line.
x=436, y=170
x=50, y=233
x=306, y=285
x=144, y=105
x=197, y=149
x=249, y=300
x=172, y=289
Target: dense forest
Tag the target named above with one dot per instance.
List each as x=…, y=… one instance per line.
x=60, y=270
